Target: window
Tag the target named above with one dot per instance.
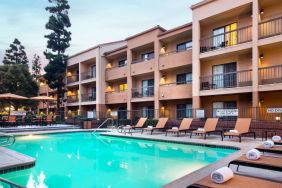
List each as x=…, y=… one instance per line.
x=183, y=46
x=93, y=71
x=224, y=105
x=183, y=111
x=225, y=36
x=122, y=113
x=147, y=56
x=184, y=78
x=224, y=76
x=122, y=87
x=148, y=111
x=93, y=93
x=148, y=88
x=122, y=63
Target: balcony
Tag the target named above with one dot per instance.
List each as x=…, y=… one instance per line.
x=178, y=90
x=88, y=97
x=142, y=66
x=270, y=75
x=116, y=97
x=88, y=75
x=175, y=59
x=43, y=89
x=115, y=73
x=72, y=79
x=72, y=99
x=227, y=39
x=227, y=80
x=143, y=92
x=270, y=28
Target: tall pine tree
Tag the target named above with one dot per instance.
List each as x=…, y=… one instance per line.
x=15, y=55
x=36, y=67
x=57, y=43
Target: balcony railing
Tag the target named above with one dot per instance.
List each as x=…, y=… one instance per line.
x=270, y=27
x=72, y=79
x=227, y=80
x=177, y=83
x=72, y=98
x=184, y=113
x=88, y=75
x=142, y=59
x=88, y=97
x=270, y=75
x=175, y=52
x=143, y=92
x=226, y=39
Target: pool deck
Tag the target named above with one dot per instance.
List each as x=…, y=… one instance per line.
x=183, y=182
x=11, y=160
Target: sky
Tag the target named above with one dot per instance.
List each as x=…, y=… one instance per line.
x=93, y=21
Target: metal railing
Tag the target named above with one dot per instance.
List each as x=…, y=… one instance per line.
x=72, y=98
x=143, y=59
x=72, y=79
x=143, y=92
x=7, y=139
x=175, y=52
x=88, y=97
x=9, y=184
x=226, y=39
x=227, y=80
x=88, y=75
x=177, y=83
x=270, y=75
x=104, y=122
x=270, y=27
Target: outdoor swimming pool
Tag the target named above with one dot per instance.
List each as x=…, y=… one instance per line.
x=86, y=160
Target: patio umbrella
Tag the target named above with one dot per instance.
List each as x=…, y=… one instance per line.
x=43, y=99
x=10, y=96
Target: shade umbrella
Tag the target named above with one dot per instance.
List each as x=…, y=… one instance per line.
x=11, y=96
x=43, y=99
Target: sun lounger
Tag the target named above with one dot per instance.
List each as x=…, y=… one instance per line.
x=141, y=122
x=209, y=127
x=184, y=127
x=278, y=142
x=275, y=149
x=264, y=162
x=160, y=126
x=241, y=128
x=238, y=181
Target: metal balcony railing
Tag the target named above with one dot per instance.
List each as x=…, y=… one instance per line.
x=72, y=79
x=270, y=27
x=143, y=92
x=72, y=98
x=88, y=97
x=88, y=75
x=227, y=80
x=270, y=75
x=226, y=39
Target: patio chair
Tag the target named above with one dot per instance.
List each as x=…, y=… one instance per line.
x=209, y=127
x=12, y=120
x=49, y=120
x=184, y=127
x=160, y=126
x=238, y=181
x=275, y=149
x=242, y=127
x=264, y=162
x=37, y=120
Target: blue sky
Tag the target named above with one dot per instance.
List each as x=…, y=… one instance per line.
x=93, y=21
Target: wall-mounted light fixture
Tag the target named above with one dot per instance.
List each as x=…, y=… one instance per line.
x=163, y=50
x=261, y=100
x=261, y=11
x=261, y=56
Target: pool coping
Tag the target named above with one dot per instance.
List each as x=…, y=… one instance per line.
x=186, y=179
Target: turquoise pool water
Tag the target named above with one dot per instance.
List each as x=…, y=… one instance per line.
x=84, y=160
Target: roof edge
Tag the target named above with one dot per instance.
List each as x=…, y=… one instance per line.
x=146, y=31
x=201, y=3
x=115, y=50
x=175, y=29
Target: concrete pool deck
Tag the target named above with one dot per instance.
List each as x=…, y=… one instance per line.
x=245, y=145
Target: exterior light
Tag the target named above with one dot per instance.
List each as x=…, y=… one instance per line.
x=261, y=11
x=69, y=74
x=261, y=56
x=163, y=49
x=277, y=118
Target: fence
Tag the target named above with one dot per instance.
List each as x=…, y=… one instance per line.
x=270, y=75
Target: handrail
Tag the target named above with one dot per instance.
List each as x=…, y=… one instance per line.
x=112, y=122
x=9, y=141
x=271, y=19
x=229, y=73
x=10, y=183
x=177, y=83
x=175, y=52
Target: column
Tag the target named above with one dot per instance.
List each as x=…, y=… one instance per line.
x=157, y=48
x=129, y=83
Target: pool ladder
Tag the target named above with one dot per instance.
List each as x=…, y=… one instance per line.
x=8, y=139
x=104, y=122
x=7, y=183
